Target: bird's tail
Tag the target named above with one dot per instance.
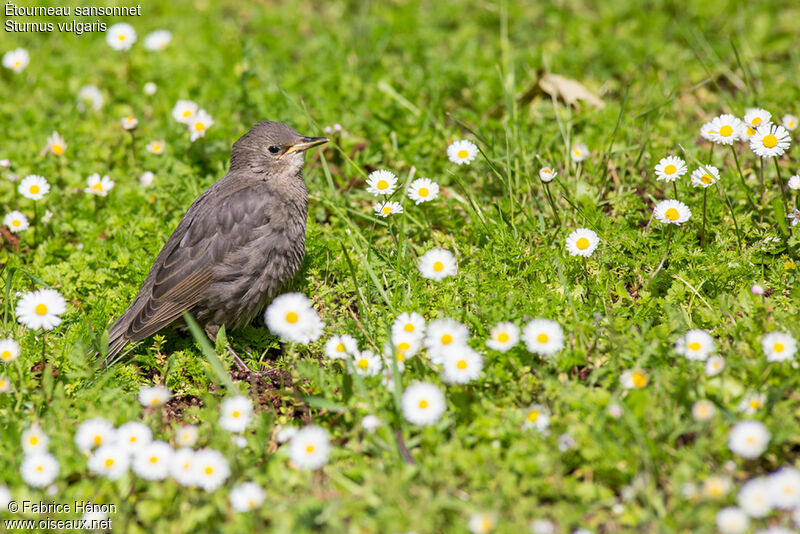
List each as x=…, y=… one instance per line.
x=116, y=341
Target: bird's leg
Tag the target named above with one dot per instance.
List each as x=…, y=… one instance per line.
x=211, y=332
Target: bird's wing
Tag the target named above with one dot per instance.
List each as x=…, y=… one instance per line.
x=218, y=223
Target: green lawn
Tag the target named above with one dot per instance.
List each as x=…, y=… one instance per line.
x=405, y=80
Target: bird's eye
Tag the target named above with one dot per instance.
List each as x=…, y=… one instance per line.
x=274, y=149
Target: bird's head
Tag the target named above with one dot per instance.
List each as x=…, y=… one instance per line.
x=272, y=147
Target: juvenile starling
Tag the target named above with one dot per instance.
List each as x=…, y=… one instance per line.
x=235, y=247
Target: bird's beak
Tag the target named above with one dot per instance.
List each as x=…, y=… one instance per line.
x=305, y=144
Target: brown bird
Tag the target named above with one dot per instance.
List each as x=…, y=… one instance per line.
x=235, y=247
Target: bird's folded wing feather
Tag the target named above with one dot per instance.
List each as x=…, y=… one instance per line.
x=212, y=228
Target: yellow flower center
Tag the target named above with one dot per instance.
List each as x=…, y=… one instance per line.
x=16, y=222
x=235, y=414
x=533, y=415
x=401, y=357
x=694, y=346
x=132, y=439
x=340, y=347
x=33, y=440
x=121, y=37
x=383, y=184
x=409, y=327
x=155, y=402
x=209, y=470
x=98, y=439
x=156, y=148
x=17, y=63
x=423, y=192
x=109, y=462
x=423, y=404
x=40, y=468
x=639, y=379
x=6, y=355
x=309, y=449
x=502, y=337
x=403, y=345
x=576, y=152
x=706, y=179
x=463, y=154
x=292, y=317
x=750, y=440
x=756, y=121
x=461, y=364
x=778, y=347
x=98, y=187
x=755, y=404
x=199, y=126
x=251, y=503
x=486, y=524
x=34, y=189
x=187, y=112
x=447, y=339
x=363, y=363
x=386, y=210
x=750, y=132
x=672, y=214
x=726, y=131
x=770, y=141
x=57, y=149
x=154, y=459
x=542, y=338
x=129, y=118
x=41, y=309
x=438, y=266
x=670, y=169
x=582, y=243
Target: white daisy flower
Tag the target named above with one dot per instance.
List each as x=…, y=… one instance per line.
x=404, y=348
x=339, y=347
x=615, y=410
x=95, y=185
x=291, y=317
x=672, y=212
x=16, y=222
x=582, y=242
x=381, y=182
x=442, y=334
x=770, y=140
x=423, y=404
x=423, y=190
x=94, y=433
x=714, y=365
x=133, y=436
x=186, y=436
x=546, y=174
x=34, y=440
x=181, y=468
x=753, y=119
x=384, y=209
x=748, y=439
x=247, y=496
x=716, y=487
x=91, y=95
x=111, y=461
x=154, y=396
x=707, y=131
x=155, y=147
x=150, y=88
x=670, y=169
x=462, y=152
x=732, y=520
x=794, y=217
x=752, y=403
x=408, y=325
x=437, y=264
x=778, y=346
x=57, y=145
x=482, y=523
x=5, y=163
x=367, y=363
x=184, y=111
x=634, y=379
x=199, y=124
x=789, y=122
x=9, y=350
x=543, y=337
x=121, y=36
x=542, y=526
x=794, y=182
x=461, y=365
x=39, y=470
x=537, y=417
x=371, y=423
x=310, y=447
x=5, y=498
x=503, y=337
x=34, y=187
x=41, y=309
x=235, y=413
x=16, y=59
x=695, y=345
x=146, y=178
x=579, y=152
x=152, y=462
x=157, y=40
x=286, y=433
x=129, y=122
x=703, y=410
x=705, y=176
x=754, y=497
x=726, y=129
x=211, y=469
x=5, y=384
x=784, y=486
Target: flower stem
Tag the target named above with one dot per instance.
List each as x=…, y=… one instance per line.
x=675, y=188
x=711, y=154
x=552, y=204
x=703, y=230
x=733, y=215
x=35, y=225
x=761, y=177
x=779, y=182
x=666, y=251
x=741, y=177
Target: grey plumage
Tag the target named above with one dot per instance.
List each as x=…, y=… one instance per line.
x=235, y=247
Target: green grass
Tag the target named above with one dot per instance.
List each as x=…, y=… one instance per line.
x=405, y=79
